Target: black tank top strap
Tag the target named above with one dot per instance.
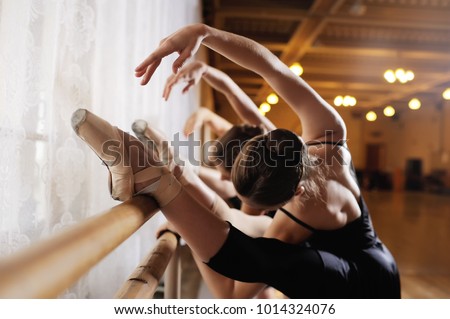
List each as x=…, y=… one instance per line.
x=298, y=221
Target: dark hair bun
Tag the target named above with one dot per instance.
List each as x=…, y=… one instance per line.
x=251, y=130
x=285, y=147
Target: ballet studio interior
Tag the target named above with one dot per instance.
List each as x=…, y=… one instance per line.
x=382, y=65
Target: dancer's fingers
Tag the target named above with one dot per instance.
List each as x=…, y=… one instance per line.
x=164, y=49
x=179, y=62
x=158, y=54
x=171, y=81
x=190, y=124
x=140, y=73
x=149, y=72
x=187, y=87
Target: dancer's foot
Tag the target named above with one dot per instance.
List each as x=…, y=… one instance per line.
x=132, y=166
x=160, y=144
x=156, y=140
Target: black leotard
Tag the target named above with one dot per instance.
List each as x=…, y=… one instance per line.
x=350, y=262
x=236, y=203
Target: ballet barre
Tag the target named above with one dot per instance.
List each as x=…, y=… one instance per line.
x=143, y=282
x=47, y=268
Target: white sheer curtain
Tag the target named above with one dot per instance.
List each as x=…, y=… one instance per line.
x=55, y=57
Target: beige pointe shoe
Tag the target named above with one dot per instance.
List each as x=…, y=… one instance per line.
x=160, y=144
x=132, y=168
x=156, y=140
x=185, y=174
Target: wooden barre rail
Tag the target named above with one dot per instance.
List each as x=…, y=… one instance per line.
x=46, y=269
x=143, y=282
x=172, y=278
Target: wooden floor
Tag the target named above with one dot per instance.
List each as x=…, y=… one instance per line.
x=416, y=229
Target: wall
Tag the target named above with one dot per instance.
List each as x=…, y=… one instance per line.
x=56, y=57
x=421, y=134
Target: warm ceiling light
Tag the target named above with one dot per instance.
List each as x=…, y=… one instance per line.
x=371, y=116
x=347, y=100
x=446, y=94
x=261, y=112
x=389, y=76
x=338, y=100
x=409, y=75
x=296, y=68
x=352, y=101
x=344, y=100
x=414, y=104
x=398, y=75
x=272, y=98
x=389, y=111
x=265, y=107
x=403, y=79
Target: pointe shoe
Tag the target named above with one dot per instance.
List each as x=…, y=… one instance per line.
x=127, y=159
x=157, y=141
x=102, y=138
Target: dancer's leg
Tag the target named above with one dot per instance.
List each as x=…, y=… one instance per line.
x=134, y=170
x=204, y=232
x=254, y=226
x=158, y=142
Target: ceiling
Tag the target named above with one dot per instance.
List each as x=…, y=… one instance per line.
x=344, y=46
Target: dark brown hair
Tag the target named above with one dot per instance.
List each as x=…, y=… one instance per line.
x=228, y=146
x=270, y=166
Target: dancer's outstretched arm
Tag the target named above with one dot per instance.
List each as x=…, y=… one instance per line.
x=204, y=116
x=213, y=178
x=317, y=116
x=242, y=104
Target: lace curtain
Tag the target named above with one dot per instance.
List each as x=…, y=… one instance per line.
x=56, y=57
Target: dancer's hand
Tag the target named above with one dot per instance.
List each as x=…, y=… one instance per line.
x=185, y=41
x=190, y=73
x=195, y=121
